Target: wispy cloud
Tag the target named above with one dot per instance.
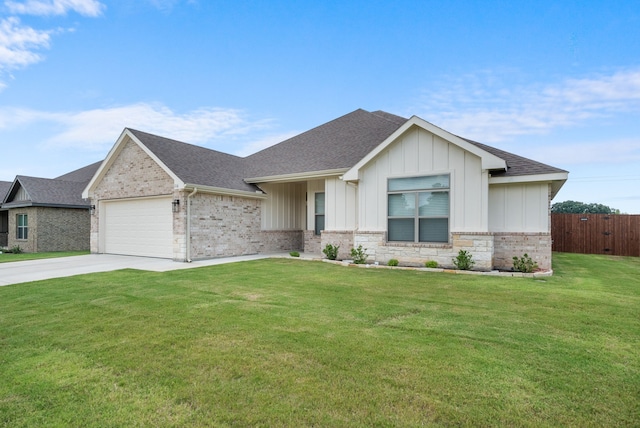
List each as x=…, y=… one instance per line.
x=97, y=129
x=603, y=152
x=90, y=8
x=482, y=107
x=19, y=44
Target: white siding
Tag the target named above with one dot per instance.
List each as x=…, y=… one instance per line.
x=21, y=195
x=418, y=152
x=284, y=208
x=340, y=207
x=520, y=207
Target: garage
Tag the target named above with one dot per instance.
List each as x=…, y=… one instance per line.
x=138, y=227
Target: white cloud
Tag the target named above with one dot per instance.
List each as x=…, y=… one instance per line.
x=18, y=44
x=604, y=152
x=481, y=107
x=55, y=7
x=98, y=129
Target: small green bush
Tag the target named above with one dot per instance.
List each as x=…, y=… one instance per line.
x=359, y=255
x=464, y=260
x=331, y=251
x=524, y=264
x=294, y=254
x=15, y=250
x=393, y=262
x=431, y=264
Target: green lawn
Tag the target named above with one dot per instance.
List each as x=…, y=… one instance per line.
x=286, y=342
x=10, y=257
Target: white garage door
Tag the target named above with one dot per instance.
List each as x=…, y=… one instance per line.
x=140, y=227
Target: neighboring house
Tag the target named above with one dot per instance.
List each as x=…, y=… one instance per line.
x=45, y=214
x=4, y=217
x=402, y=189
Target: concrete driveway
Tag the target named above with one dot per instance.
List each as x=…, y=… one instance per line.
x=36, y=270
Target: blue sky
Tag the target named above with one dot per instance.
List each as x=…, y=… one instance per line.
x=556, y=81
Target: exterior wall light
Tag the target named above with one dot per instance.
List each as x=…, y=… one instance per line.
x=92, y=209
x=176, y=205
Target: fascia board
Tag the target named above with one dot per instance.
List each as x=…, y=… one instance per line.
x=488, y=160
x=558, y=176
x=223, y=191
x=113, y=154
x=296, y=176
x=16, y=182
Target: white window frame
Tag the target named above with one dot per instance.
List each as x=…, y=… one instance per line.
x=416, y=214
x=22, y=230
x=316, y=214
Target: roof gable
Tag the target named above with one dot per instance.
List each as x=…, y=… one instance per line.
x=489, y=160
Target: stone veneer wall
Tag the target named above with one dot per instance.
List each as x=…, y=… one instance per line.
x=480, y=245
x=342, y=238
x=224, y=226
x=536, y=245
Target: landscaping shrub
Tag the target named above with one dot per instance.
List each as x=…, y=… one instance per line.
x=294, y=254
x=393, y=262
x=331, y=251
x=359, y=255
x=524, y=264
x=464, y=260
x=431, y=264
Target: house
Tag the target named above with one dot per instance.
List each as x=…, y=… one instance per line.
x=401, y=188
x=4, y=216
x=47, y=214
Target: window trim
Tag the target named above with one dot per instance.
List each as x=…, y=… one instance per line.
x=416, y=215
x=22, y=231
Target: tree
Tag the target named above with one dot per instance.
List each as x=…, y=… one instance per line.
x=574, y=207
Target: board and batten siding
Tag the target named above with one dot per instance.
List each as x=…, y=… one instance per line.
x=418, y=152
x=522, y=207
x=284, y=208
x=340, y=205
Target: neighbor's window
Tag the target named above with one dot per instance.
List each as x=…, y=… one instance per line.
x=22, y=228
x=419, y=209
x=319, y=204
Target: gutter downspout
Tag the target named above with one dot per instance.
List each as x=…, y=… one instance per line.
x=195, y=190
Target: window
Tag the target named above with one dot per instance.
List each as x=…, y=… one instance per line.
x=418, y=209
x=319, y=212
x=22, y=226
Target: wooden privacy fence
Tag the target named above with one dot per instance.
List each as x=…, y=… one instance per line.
x=615, y=234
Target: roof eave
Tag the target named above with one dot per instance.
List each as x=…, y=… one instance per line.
x=223, y=191
x=556, y=180
x=304, y=176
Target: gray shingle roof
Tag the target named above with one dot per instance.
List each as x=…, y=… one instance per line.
x=198, y=165
x=517, y=165
x=83, y=174
x=48, y=192
x=4, y=188
x=337, y=144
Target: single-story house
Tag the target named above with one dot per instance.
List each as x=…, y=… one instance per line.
x=4, y=216
x=47, y=214
x=401, y=188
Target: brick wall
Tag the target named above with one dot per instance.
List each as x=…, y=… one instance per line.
x=312, y=242
x=536, y=245
x=342, y=238
x=28, y=245
x=63, y=229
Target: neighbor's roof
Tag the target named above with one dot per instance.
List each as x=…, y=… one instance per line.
x=46, y=192
x=337, y=144
x=4, y=189
x=197, y=165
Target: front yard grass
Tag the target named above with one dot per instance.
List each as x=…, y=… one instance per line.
x=285, y=342
x=10, y=257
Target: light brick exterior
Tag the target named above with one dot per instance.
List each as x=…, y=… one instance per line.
x=51, y=229
x=312, y=242
x=342, y=238
x=536, y=245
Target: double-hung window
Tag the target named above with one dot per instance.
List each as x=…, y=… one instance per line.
x=418, y=209
x=319, y=213
x=22, y=226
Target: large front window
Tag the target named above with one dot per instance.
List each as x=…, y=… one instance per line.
x=22, y=226
x=418, y=209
